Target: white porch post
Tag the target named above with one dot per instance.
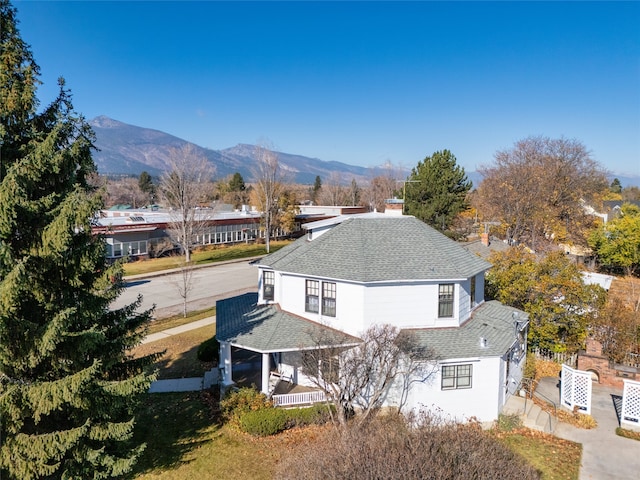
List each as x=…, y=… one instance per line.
x=225, y=362
x=265, y=373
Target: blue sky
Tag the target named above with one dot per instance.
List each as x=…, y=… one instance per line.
x=357, y=82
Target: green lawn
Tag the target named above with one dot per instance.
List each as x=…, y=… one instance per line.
x=555, y=458
x=184, y=440
x=161, y=324
x=212, y=255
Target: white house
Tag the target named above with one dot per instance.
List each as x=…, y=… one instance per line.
x=351, y=272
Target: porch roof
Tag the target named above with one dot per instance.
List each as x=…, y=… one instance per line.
x=266, y=328
x=491, y=320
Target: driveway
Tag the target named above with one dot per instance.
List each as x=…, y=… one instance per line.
x=605, y=455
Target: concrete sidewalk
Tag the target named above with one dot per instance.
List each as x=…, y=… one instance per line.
x=605, y=455
x=177, y=330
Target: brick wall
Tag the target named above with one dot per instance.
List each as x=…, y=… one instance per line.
x=608, y=372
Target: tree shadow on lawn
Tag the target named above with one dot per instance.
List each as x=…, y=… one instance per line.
x=172, y=425
x=182, y=365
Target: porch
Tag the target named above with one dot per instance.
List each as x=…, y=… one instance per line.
x=248, y=372
x=260, y=346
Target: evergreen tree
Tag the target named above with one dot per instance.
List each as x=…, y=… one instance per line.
x=616, y=186
x=68, y=385
x=236, y=184
x=145, y=182
x=315, y=191
x=436, y=190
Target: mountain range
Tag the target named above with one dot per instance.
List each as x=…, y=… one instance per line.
x=129, y=150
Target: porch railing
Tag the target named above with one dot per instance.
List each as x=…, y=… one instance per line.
x=289, y=399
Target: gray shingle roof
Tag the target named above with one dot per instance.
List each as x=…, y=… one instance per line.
x=377, y=250
x=266, y=328
x=491, y=320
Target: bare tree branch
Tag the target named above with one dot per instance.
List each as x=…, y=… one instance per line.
x=359, y=378
x=184, y=189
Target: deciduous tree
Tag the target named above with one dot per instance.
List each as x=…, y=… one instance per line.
x=617, y=243
x=267, y=189
x=125, y=191
x=68, y=385
x=185, y=188
x=551, y=290
x=382, y=187
x=537, y=189
x=333, y=191
x=436, y=191
x=358, y=378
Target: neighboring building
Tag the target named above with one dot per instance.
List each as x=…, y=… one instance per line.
x=351, y=272
x=145, y=233
x=484, y=245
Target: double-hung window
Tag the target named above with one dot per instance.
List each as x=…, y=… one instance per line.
x=445, y=300
x=329, y=299
x=456, y=376
x=312, y=296
x=268, y=284
x=320, y=298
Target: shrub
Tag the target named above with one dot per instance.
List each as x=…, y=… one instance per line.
x=240, y=401
x=208, y=350
x=392, y=447
x=530, y=367
x=264, y=422
x=314, y=415
x=507, y=423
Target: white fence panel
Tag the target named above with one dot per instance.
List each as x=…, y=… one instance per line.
x=289, y=399
x=630, y=414
x=575, y=389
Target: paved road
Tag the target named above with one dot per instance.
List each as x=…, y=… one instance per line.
x=208, y=285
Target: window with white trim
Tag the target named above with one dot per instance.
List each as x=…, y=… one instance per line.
x=268, y=284
x=456, y=376
x=329, y=299
x=445, y=300
x=312, y=296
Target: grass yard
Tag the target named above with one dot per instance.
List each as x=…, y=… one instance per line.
x=184, y=441
x=212, y=255
x=180, y=359
x=555, y=458
x=160, y=324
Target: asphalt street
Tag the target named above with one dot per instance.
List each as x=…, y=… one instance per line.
x=208, y=284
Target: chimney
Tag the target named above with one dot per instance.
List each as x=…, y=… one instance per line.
x=484, y=238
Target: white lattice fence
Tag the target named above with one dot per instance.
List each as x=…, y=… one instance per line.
x=631, y=403
x=575, y=389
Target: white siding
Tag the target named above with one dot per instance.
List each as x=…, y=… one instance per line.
x=407, y=305
x=480, y=401
x=403, y=304
x=349, y=303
